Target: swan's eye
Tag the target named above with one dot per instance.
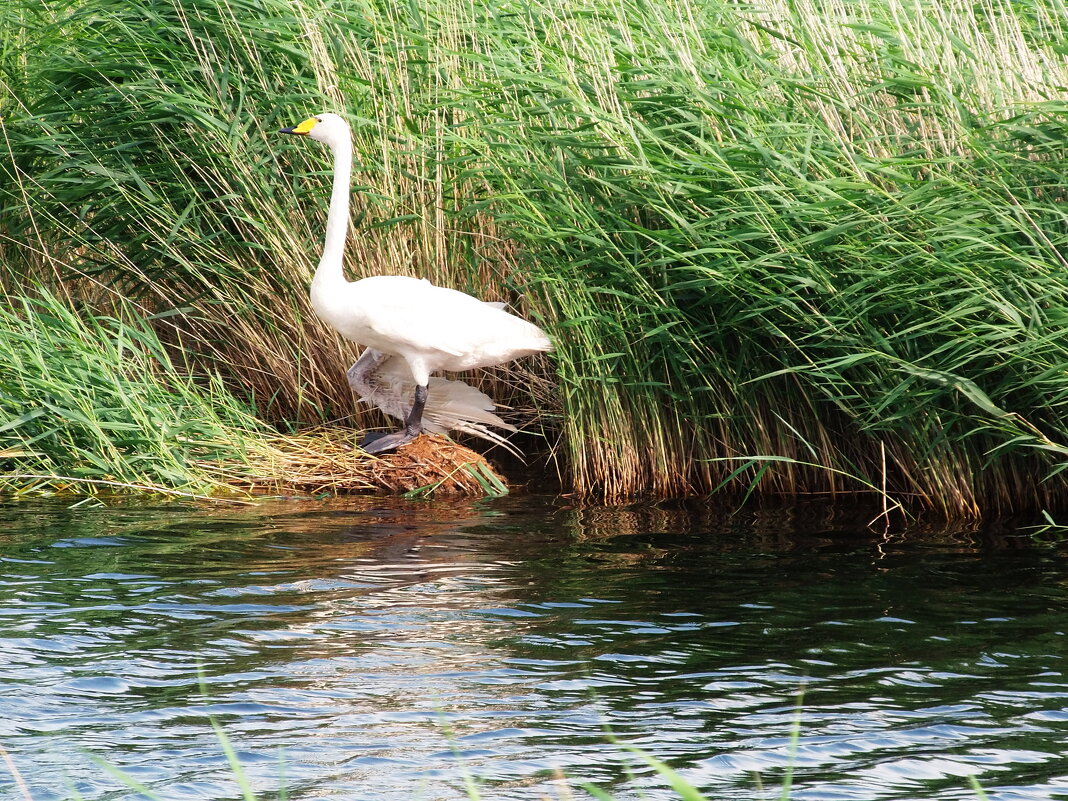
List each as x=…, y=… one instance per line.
x=318, y=119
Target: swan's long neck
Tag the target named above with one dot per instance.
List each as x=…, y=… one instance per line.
x=330, y=274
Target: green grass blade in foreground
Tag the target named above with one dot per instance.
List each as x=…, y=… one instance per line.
x=686, y=791
x=128, y=781
x=979, y=792
x=597, y=792
x=235, y=764
x=795, y=739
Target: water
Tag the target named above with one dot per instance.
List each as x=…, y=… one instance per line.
x=369, y=649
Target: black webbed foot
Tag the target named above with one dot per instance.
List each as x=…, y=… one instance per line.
x=413, y=427
x=380, y=442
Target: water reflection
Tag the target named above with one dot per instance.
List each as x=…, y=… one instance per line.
x=381, y=649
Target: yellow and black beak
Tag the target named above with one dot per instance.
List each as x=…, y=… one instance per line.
x=303, y=129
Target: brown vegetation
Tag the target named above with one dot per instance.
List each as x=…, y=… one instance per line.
x=327, y=460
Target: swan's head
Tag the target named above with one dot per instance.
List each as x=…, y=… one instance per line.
x=325, y=127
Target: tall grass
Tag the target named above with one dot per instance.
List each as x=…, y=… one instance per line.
x=831, y=231
x=90, y=402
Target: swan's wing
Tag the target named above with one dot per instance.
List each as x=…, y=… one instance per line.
x=361, y=374
x=456, y=406
x=378, y=378
x=386, y=382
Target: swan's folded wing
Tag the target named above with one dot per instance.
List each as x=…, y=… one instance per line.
x=449, y=330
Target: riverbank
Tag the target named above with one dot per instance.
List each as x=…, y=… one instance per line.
x=95, y=403
x=781, y=248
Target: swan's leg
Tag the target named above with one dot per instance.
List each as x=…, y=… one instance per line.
x=413, y=426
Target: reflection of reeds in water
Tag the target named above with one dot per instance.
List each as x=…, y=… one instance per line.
x=671, y=530
x=828, y=233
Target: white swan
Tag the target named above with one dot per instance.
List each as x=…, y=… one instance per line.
x=431, y=328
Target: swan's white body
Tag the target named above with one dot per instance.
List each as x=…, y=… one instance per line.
x=430, y=328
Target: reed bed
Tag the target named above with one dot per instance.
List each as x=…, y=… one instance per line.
x=327, y=461
x=793, y=246
x=93, y=404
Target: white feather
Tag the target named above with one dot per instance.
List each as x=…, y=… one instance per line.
x=387, y=383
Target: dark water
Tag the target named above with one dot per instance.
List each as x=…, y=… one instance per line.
x=387, y=650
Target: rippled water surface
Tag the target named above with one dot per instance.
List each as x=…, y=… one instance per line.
x=371, y=649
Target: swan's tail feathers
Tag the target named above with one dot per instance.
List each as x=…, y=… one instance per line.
x=387, y=383
x=456, y=406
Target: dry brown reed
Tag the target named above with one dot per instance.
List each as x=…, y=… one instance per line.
x=327, y=461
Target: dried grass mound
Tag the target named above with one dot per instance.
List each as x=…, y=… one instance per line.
x=434, y=461
x=327, y=461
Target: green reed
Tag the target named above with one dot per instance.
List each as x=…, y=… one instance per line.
x=779, y=231
x=93, y=402
x=815, y=240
